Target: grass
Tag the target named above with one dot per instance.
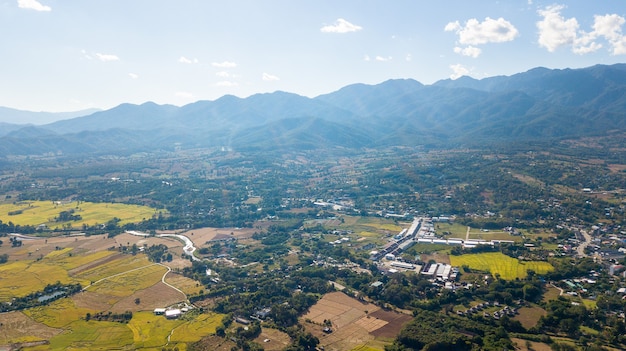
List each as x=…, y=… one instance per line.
x=499, y=264
x=44, y=212
x=456, y=230
x=551, y=293
x=529, y=316
x=494, y=235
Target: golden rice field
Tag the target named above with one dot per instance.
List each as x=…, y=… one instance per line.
x=44, y=212
x=58, y=314
x=149, y=330
x=497, y=263
x=20, y=278
x=124, y=264
x=68, y=260
x=129, y=282
x=114, y=279
x=92, y=335
x=195, y=329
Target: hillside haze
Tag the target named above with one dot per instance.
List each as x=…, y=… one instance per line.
x=540, y=104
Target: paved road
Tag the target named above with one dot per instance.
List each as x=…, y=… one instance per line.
x=188, y=249
x=581, y=248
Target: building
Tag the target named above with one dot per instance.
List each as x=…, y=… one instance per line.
x=173, y=313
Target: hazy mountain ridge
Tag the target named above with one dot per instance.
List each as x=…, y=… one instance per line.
x=20, y=117
x=537, y=104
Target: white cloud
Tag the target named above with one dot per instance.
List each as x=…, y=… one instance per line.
x=107, y=57
x=133, y=75
x=474, y=32
x=226, y=83
x=225, y=64
x=366, y=58
x=556, y=31
x=183, y=59
x=470, y=51
x=488, y=31
x=268, y=77
x=33, y=5
x=341, y=26
x=408, y=57
x=610, y=27
x=383, y=59
x=222, y=74
x=458, y=71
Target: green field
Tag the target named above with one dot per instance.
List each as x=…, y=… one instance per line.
x=44, y=212
x=499, y=264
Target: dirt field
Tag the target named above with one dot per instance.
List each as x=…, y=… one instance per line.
x=201, y=235
x=437, y=256
x=522, y=345
x=157, y=296
x=214, y=343
x=276, y=340
x=17, y=327
x=354, y=322
x=529, y=316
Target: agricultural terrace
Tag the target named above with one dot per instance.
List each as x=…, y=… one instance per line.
x=354, y=323
x=49, y=213
x=497, y=263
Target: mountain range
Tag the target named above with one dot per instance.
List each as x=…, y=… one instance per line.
x=540, y=104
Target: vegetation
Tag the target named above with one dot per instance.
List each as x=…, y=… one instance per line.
x=306, y=224
x=500, y=265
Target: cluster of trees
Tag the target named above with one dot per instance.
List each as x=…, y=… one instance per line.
x=431, y=331
x=66, y=216
x=110, y=317
x=50, y=293
x=158, y=253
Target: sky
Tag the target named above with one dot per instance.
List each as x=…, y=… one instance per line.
x=69, y=55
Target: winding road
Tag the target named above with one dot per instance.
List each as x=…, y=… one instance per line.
x=188, y=249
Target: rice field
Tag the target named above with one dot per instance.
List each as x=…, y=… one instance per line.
x=44, y=212
x=123, y=264
x=68, y=260
x=20, y=278
x=93, y=335
x=58, y=314
x=203, y=324
x=497, y=263
x=127, y=283
x=149, y=330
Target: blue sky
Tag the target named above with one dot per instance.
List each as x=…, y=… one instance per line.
x=66, y=55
